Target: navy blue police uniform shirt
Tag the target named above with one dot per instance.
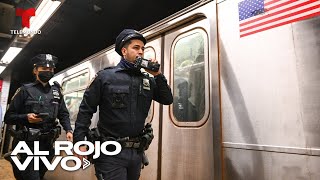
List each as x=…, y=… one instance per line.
x=124, y=97
x=17, y=113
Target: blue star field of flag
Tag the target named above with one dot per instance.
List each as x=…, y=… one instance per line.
x=250, y=8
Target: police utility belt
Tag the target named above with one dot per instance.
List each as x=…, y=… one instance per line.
x=141, y=142
x=126, y=142
x=33, y=134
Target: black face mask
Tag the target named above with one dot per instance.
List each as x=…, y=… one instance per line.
x=45, y=76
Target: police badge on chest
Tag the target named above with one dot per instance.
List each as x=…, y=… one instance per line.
x=146, y=84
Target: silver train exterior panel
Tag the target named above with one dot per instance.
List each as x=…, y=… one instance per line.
x=245, y=108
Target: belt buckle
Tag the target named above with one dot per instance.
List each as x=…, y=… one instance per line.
x=136, y=145
x=128, y=144
x=131, y=144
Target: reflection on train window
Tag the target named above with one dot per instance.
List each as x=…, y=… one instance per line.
x=76, y=83
x=189, y=77
x=73, y=90
x=149, y=52
x=73, y=101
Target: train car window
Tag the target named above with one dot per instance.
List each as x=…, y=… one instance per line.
x=189, y=76
x=73, y=101
x=76, y=83
x=73, y=88
x=149, y=52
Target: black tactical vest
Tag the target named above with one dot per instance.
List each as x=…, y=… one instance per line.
x=41, y=102
x=126, y=98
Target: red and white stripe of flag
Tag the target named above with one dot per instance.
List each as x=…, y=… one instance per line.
x=279, y=13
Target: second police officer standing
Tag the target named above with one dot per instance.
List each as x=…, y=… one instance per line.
x=123, y=94
x=34, y=109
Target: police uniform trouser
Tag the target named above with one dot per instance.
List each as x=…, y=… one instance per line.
x=29, y=173
x=124, y=166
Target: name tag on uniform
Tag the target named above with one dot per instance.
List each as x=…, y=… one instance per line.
x=146, y=84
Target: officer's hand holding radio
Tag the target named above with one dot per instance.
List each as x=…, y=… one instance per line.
x=33, y=118
x=151, y=66
x=153, y=72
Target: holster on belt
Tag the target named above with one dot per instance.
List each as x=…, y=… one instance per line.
x=19, y=134
x=145, y=140
x=26, y=134
x=56, y=131
x=33, y=134
x=92, y=136
x=54, y=134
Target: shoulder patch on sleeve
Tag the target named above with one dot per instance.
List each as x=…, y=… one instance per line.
x=55, y=83
x=17, y=91
x=58, y=86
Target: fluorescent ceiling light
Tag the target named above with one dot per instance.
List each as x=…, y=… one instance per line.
x=43, y=13
x=10, y=54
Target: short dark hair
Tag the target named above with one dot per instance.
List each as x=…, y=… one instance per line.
x=126, y=45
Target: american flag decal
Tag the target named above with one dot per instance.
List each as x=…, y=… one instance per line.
x=260, y=15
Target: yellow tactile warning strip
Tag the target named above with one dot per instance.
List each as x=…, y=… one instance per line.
x=6, y=170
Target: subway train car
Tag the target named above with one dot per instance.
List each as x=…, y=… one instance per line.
x=245, y=77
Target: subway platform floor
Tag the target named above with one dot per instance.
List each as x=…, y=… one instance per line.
x=6, y=170
x=6, y=173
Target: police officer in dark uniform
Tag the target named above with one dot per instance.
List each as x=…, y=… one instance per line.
x=34, y=109
x=123, y=94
